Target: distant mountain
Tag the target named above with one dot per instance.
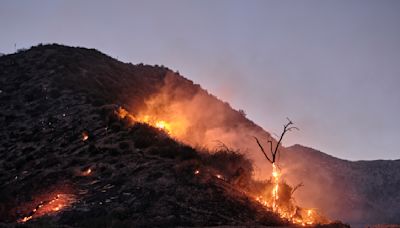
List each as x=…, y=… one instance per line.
x=360, y=192
x=53, y=97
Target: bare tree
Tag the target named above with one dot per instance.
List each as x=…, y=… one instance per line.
x=287, y=127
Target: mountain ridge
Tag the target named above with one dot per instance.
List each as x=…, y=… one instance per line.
x=343, y=159
x=368, y=187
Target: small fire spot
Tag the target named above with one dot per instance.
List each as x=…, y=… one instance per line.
x=86, y=172
x=49, y=205
x=85, y=136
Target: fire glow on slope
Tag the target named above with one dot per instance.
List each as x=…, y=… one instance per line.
x=196, y=118
x=48, y=204
x=272, y=200
x=286, y=208
x=175, y=128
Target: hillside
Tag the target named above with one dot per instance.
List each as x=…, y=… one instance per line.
x=61, y=142
x=60, y=135
x=363, y=192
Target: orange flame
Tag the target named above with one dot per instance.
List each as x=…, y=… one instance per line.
x=292, y=213
x=48, y=207
x=161, y=124
x=275, y=189
x=174, y=127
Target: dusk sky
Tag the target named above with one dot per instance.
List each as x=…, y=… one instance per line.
x=333, y=67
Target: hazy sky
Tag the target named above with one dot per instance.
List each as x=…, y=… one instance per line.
x=333, y=67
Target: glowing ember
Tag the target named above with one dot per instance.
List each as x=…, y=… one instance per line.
x=85, y=136
x=197, y=172
x=48, y=207
x=25, y=219
x=219, y=176
x=87, y=172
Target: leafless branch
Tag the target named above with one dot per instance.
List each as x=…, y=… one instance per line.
x=297, y=187
x=221, y=145
x=270, y=144
x=262, y=149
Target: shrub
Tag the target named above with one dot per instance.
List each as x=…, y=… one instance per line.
x=164, y=152
x=184, y=170
x=188, y=153
x=143, y=135
x=20, y=163
x=234, y=166
x=115, y=127
x=114, y=152
x=123, y=145
x=54, y=94
x=92, y=149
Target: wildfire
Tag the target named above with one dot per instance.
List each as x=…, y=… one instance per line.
x=163, y=125
x=51, y=206
x=275, y=189
x=173, y=126
x=176, y=124
x=287, y=210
